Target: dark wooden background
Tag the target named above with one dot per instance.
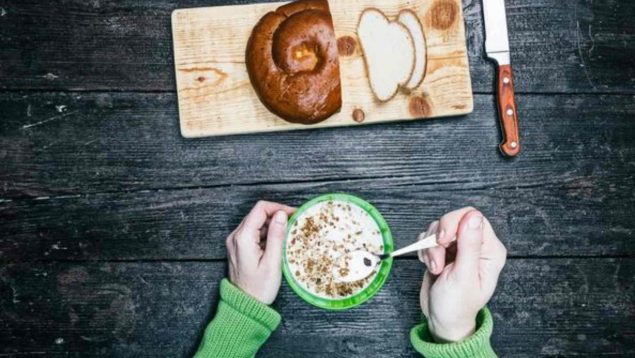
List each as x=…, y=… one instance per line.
x=112, y=225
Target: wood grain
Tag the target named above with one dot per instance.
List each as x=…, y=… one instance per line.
x=109, y=142
x=216, y=96
x=105, y=175
x=586, y=217
x=557, y=46
x=585, y=308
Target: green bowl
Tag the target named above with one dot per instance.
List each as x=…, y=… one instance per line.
x=375, y=285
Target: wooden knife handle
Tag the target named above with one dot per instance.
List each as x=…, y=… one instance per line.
x=507, y=112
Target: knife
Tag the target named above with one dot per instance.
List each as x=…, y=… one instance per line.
x=497, y=49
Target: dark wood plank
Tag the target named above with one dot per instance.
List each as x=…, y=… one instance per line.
x=592, y=217
x=572, y=181
x=557, y=46
x=60, y=144
x=563, y=307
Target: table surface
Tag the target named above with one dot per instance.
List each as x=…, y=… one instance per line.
x=112, y=225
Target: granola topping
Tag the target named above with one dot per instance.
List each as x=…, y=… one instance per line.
x=320, y=236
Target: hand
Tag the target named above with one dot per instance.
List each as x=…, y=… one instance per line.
x=254, y=268
x=461, y=275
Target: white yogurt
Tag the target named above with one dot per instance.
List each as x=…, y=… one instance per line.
x=323, y=233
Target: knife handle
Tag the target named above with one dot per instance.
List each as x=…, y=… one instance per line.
x=507, y=111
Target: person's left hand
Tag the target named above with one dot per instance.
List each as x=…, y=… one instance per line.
x=254, y=250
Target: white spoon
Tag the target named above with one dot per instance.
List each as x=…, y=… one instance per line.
x=362, y=264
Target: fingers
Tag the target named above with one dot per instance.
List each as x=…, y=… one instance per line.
x=257, y=217
x=496, y=252
x=275, y=237
x=469, y=243
x=432, y=228
x=246, y=238
x=493, y=256
x=434, y=257
x=424, y=295
x=449, y=224
x=264, y=229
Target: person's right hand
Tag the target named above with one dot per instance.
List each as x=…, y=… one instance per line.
x=461, y=275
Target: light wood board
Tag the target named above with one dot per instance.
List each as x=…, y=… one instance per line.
x=216, y=97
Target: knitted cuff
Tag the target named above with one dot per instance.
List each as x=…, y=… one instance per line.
x=240, y=327
x=249, y=306
x=475, y=346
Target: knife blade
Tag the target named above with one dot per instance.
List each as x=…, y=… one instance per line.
x=497, y=49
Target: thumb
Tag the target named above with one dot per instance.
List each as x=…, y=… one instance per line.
x=469, y=241
x=275, y=238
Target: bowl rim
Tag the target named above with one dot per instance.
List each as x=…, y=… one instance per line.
x=379, y=280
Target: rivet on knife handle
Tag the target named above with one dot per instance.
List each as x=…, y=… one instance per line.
x=507, y=111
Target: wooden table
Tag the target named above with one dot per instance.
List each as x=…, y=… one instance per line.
x=112, y=225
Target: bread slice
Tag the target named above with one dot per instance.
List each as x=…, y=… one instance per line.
x=410, y=20
x=389, y=52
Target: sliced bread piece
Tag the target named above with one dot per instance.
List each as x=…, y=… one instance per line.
x=389, y=52
x=409, y=19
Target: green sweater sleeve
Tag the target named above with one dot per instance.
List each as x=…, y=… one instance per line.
x=241, y=325
x=475, y=346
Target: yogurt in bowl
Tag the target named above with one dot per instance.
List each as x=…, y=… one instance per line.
x=318, y=234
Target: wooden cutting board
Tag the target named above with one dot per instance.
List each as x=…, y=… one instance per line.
x=216, y=97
